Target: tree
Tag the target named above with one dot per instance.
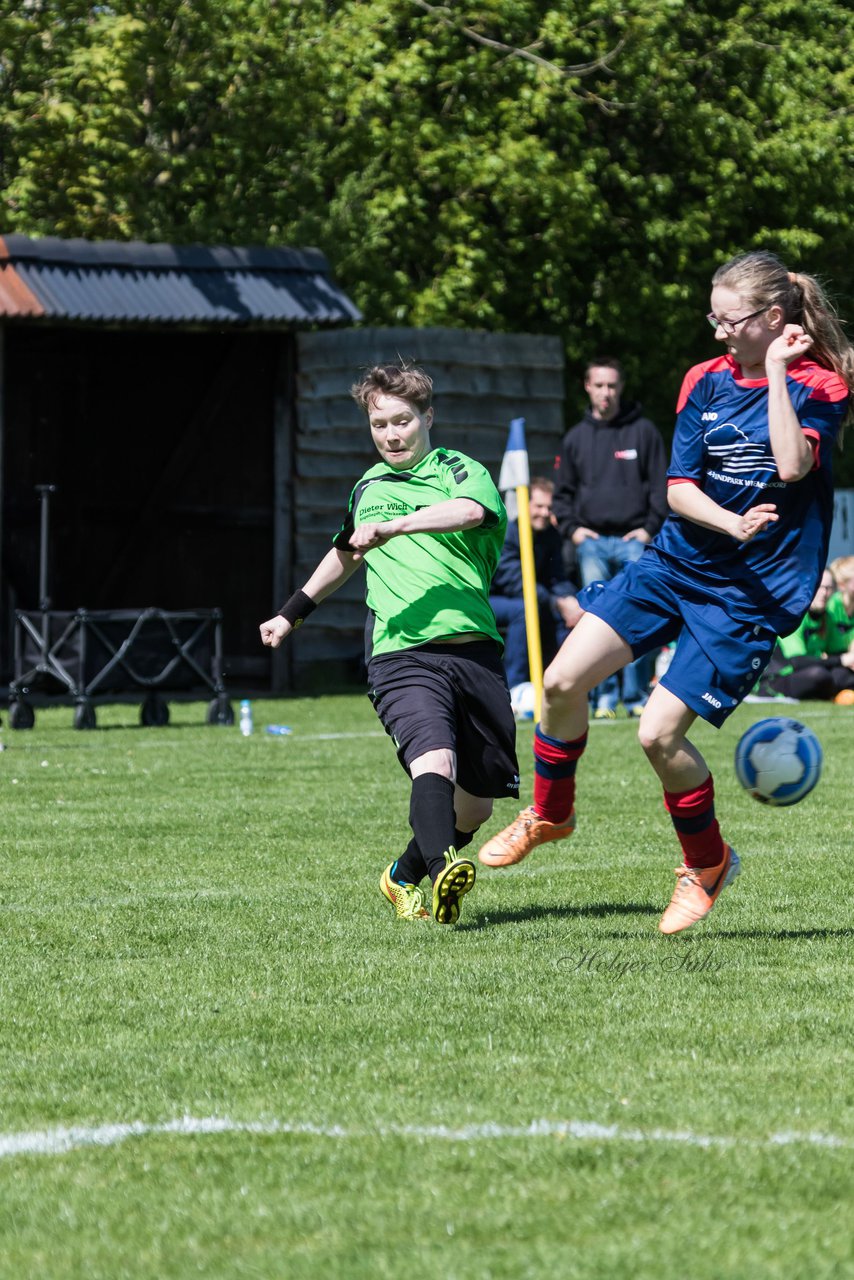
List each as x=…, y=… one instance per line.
x=170, y=119
x=575, y=167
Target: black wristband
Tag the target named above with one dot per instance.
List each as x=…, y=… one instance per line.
x=296, y=610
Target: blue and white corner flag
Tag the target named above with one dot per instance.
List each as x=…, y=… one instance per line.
x=514, y=482
x=514, y=467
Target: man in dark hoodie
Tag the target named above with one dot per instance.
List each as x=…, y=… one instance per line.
x=610, y=500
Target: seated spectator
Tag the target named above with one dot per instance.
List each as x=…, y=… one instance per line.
x=840, y=606
x=559, y=609
x=813, y=662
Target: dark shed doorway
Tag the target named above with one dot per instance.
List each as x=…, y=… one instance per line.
x=160, y=446
x=154, y=387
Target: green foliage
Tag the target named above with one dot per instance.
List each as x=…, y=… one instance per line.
x=192, y=927
x=169, y=120
x=572, y=168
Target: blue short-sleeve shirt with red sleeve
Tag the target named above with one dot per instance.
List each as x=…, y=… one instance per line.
x=722, y=445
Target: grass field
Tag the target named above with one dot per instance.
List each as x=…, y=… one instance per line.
x=222, y=1055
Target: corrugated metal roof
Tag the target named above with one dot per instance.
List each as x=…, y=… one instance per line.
x=137, y=283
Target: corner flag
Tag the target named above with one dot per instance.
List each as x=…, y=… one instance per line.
x=514, y=466
x=513, y=481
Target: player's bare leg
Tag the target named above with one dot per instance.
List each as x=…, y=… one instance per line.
x=661, y=732
x=709, y=863
x=471, y=812
x=590, y=653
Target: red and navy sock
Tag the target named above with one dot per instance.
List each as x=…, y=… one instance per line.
x=432, y=818
x=554, y=775
x=693, y=815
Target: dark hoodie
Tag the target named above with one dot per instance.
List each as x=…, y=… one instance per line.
x=611, y=475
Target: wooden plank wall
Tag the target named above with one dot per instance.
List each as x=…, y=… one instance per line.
x=482, y=380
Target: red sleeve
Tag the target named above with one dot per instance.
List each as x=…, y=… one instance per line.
x=696, y=374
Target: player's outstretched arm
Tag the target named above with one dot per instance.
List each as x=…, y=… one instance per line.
x=689, y=501
x=451, y=516
x=332, y=572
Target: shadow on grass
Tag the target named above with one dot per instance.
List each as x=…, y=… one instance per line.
x=484, y=920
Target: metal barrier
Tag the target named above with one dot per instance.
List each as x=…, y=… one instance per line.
x=86, y=655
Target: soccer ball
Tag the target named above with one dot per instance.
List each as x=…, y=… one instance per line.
x=522, y=700
x=778, y=760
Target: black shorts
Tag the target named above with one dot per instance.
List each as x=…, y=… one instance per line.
x=451, y=696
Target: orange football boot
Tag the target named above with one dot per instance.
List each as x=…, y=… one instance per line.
x=697, y=890
x=524, y=834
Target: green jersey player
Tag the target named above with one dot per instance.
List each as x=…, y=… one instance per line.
x=428, y=524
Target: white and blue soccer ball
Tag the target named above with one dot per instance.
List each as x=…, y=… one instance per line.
x=523, y=700
x=778, y=760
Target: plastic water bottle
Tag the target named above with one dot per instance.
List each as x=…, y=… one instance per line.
x=279, y=730
x=245, y=717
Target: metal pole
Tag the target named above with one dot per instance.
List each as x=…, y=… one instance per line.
x=44, y=491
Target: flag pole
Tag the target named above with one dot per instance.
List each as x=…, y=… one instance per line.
x=515, y=480
x=529, y=593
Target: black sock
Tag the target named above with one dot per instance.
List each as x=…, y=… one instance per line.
x=410, y=867
x=431, y=816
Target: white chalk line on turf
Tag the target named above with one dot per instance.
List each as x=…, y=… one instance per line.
x=59, y=1141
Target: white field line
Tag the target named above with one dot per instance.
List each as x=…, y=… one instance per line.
x=54, y=1142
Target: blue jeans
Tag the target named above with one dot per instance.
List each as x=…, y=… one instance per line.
x=510, y=615
x=599, y=560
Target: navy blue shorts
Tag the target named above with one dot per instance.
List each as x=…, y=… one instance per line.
x=451, y=696
x=717, y=659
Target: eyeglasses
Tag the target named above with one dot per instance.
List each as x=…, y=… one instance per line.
x=730, y=326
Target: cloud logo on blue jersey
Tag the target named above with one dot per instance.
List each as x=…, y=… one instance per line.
x=734, y=452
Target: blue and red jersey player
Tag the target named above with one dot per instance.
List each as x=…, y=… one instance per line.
x=736, y=563
x=722, y=443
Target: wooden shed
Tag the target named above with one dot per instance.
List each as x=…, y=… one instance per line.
x=149, y=383
x=191, y=405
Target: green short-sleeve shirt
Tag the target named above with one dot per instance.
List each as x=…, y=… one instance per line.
x=840, y=626
x=809, y=639
x=424, y=587
x=832, y=633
